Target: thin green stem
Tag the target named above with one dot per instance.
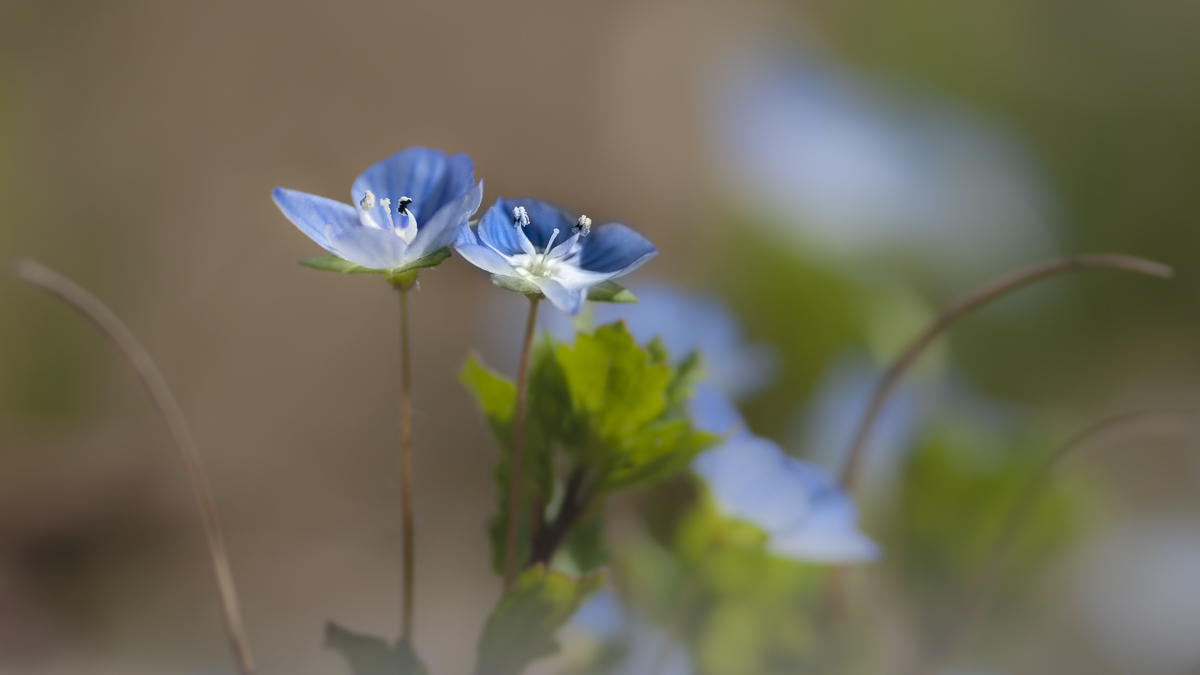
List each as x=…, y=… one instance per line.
x=408, y=543
x=156, y=386
x=518, y=448
x=993, y=290
x=980, y=590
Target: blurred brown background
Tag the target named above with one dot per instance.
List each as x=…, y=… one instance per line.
x=139, y=142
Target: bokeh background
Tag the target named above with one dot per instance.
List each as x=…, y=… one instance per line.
x=831, y=171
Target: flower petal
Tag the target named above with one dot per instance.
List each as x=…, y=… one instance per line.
x=712, y=411
x=544, y=218
x=424, y=175
x=750, y=479
x=442, y=228
x=369, y=247
x=496, y=229
x=829, y=531
x=479, y=254
x=568, y=300
x=314, y=215
x=615, y=248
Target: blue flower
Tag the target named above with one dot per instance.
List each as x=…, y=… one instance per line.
x=800, y=507
x=406, y=207
x=533, y=247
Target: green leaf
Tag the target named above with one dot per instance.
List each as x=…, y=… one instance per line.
x=655, y=453
x=370, y=655
x=613, y=381
x=522, y=628
x=333, y=263
x=610, y=291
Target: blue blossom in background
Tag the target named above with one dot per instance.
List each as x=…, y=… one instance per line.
x=405, y=208
x=860, y=166
x=827, y=423
x=648, y=648
x=800, y=506
x=533, y=247
x=688, y=322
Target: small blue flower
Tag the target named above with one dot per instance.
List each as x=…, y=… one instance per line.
x=534, y=247
x=800, y=507
x=406, y=207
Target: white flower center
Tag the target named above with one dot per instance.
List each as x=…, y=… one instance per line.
x=376, y=213
x=552, y=258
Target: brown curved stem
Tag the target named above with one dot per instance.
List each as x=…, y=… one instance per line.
x=980, y=590
x=518, y=449
x=990, y=291
x=156, y=385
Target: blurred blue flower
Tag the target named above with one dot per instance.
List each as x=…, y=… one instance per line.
x=862, y=167
x=800, y=506
x=405, y=208
x=529, y=244
x=688, y=322
x=647, y=648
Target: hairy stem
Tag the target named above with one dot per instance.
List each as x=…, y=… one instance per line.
x=156, y=385
x=980, y=590
x=518, y=449
x=408, y=542
x=993, y=290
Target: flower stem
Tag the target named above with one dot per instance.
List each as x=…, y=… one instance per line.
x=990, y=291
x=982, y=586
x=408, y=543
x=156, y=386
x=518, y=449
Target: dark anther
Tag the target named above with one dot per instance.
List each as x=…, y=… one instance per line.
x=403, y=204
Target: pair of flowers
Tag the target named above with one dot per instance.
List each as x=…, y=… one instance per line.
x=408, y=208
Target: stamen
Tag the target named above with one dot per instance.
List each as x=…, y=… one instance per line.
x=402, y=205
x=583, y=226
x=520, y=216
x=368, y=201
x=550, y=243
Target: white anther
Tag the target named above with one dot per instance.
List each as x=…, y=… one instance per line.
x=385, y=203
x=520, y=216
x=583, y=226
x=368, y=201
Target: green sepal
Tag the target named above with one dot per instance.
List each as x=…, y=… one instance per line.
x=334, y=263
x=370, y=655
x=522, y=628
x=516, y=285
x=610, y=291
x=607, y=291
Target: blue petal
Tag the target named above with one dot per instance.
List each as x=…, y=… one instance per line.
x=829, y=531
x=481, y=255
x=544, y=218
x=424, y=175
x=315, y=216
x=615, y=248
x=372, y=248
x=711, y=410
x=750, y=479
x=566, y=299
x=442, y=228
x=496, y=229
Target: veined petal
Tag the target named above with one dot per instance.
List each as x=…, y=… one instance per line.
x=314, y=215
x=568, y=300
x=427, y=176
x=544, y=218
x=442, y=228
x=615, y=248
x=369, y=247
x=496, y=229
x=481, y=255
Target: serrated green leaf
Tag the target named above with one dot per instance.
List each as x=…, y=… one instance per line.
x=610, y=291
x=613, y=381
x=522, y=628
x=333, y=263
x=370, y=655
x=655, y=453
x=683, y=377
